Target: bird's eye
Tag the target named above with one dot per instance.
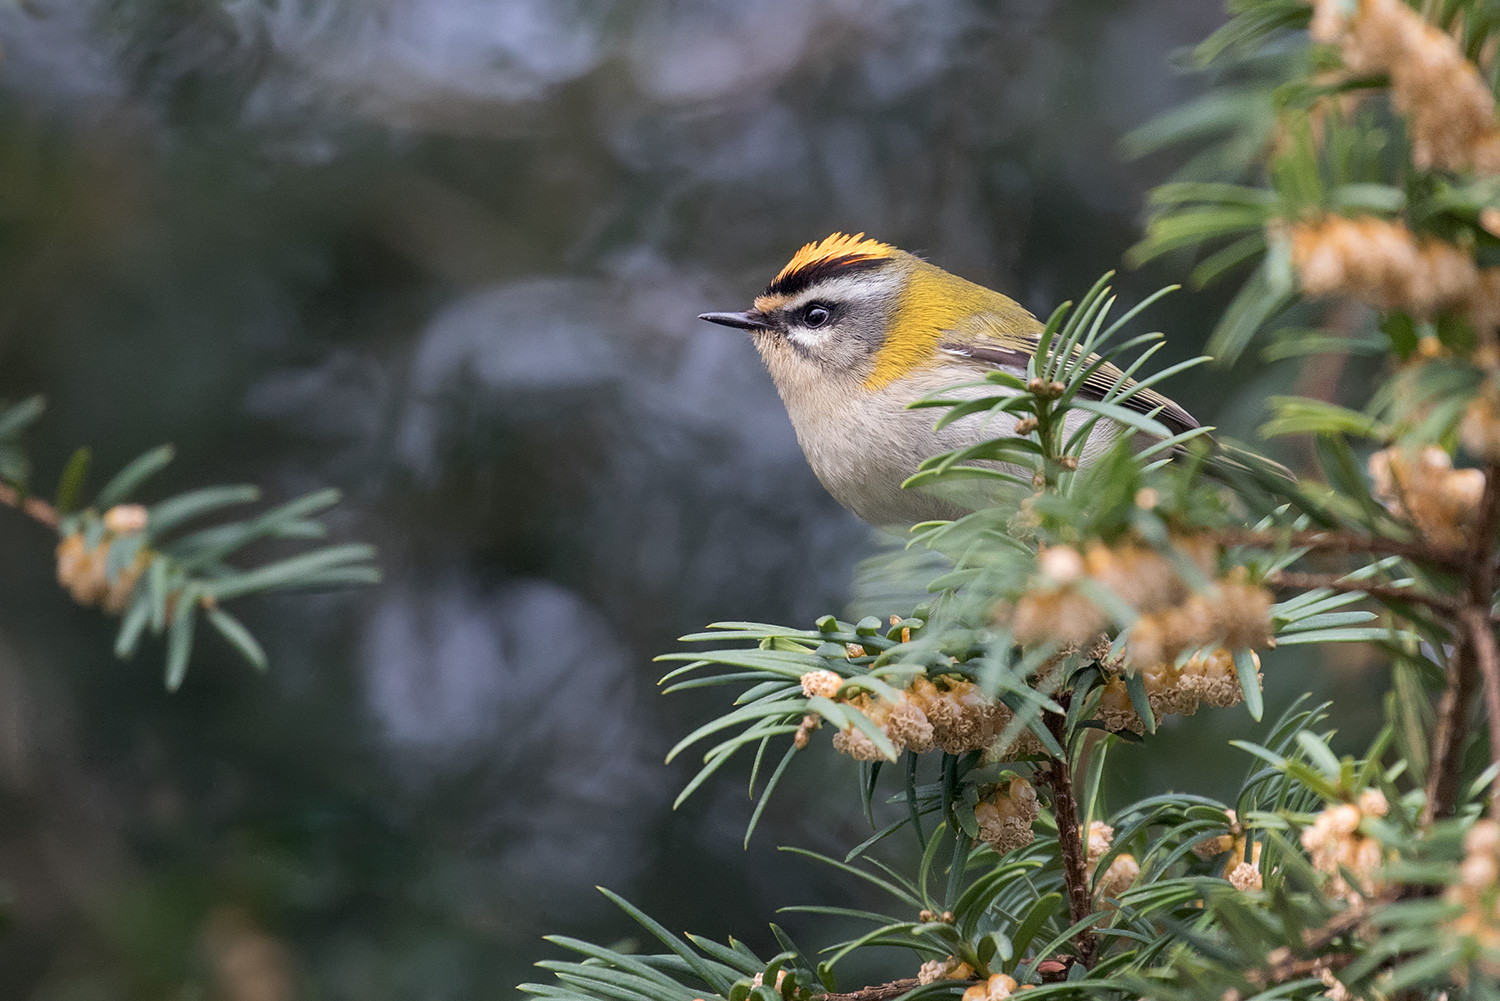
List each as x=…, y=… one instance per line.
x=816, y=314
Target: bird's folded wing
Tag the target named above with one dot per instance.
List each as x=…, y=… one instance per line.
x=995, y=341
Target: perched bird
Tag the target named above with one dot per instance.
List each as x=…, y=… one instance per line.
x=854, y=330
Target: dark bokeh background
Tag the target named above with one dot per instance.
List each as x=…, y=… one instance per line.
x=446, y=255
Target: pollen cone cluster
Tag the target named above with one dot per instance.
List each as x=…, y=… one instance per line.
x=1449, y=108
x=84, y=570
x=1241, y=869
x=997, y=988
x=948, y=713
x=1173, y=618
x=1337, y=846
x=1480, y=428
x=1123, y=871
x=1206, y=679
x=1423, y=487
x=1383, y=263
x=760, y=978
x=944, y=969
x=822, y=683
x=1054, y=609
x=1477, y=893
x=1336, y=990
x=1098, y=841
x=1005, y=818
x=902, y=722
x=1244, y=875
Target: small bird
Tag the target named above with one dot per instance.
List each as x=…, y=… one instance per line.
x=854, y=330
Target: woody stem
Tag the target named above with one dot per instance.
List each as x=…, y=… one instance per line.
x=1346, y=542
x=34, y=507
x=1481, y=634
x=1338, y=582
x=880, y=992
x=1448, y=737
x=1069, y=839
x=1474, y=661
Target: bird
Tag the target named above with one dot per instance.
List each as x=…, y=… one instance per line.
x=854, y=330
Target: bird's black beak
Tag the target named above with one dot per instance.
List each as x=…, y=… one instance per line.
x=749, y=320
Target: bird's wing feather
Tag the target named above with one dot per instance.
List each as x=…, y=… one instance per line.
x=1000, y=341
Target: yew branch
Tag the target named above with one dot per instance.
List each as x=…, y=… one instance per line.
x=1346, y=542
x=34, y=507
x=880, y=992
x=1481, y=637
x=1387, y=592
x=1475, y=658
x=1070, y=842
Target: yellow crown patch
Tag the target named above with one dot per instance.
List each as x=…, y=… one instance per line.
x=855, y=247
x=819, y=260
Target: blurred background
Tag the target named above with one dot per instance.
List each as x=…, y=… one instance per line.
x=446, y=255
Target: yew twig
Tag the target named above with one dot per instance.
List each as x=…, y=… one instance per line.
x=34, y=507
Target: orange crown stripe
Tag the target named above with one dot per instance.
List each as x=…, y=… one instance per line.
x=839, y=245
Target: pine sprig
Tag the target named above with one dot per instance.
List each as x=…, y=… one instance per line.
x=166, y=567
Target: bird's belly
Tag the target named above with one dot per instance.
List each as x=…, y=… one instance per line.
x=863, y=453
x=866, y=446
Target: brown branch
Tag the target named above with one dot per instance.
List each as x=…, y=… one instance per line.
x=1069, y=840
x=1475, y=657
x=1282, y=964
x=1342, y=923
x=1296, y=969
x=1339, y=582
x=1481, y=564
x=881, y=992
x=34, y=507
x=1481, y=636
x=1447, y=738
x=1345, y=542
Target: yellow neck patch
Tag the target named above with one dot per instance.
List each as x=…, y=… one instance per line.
x=933, y=303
